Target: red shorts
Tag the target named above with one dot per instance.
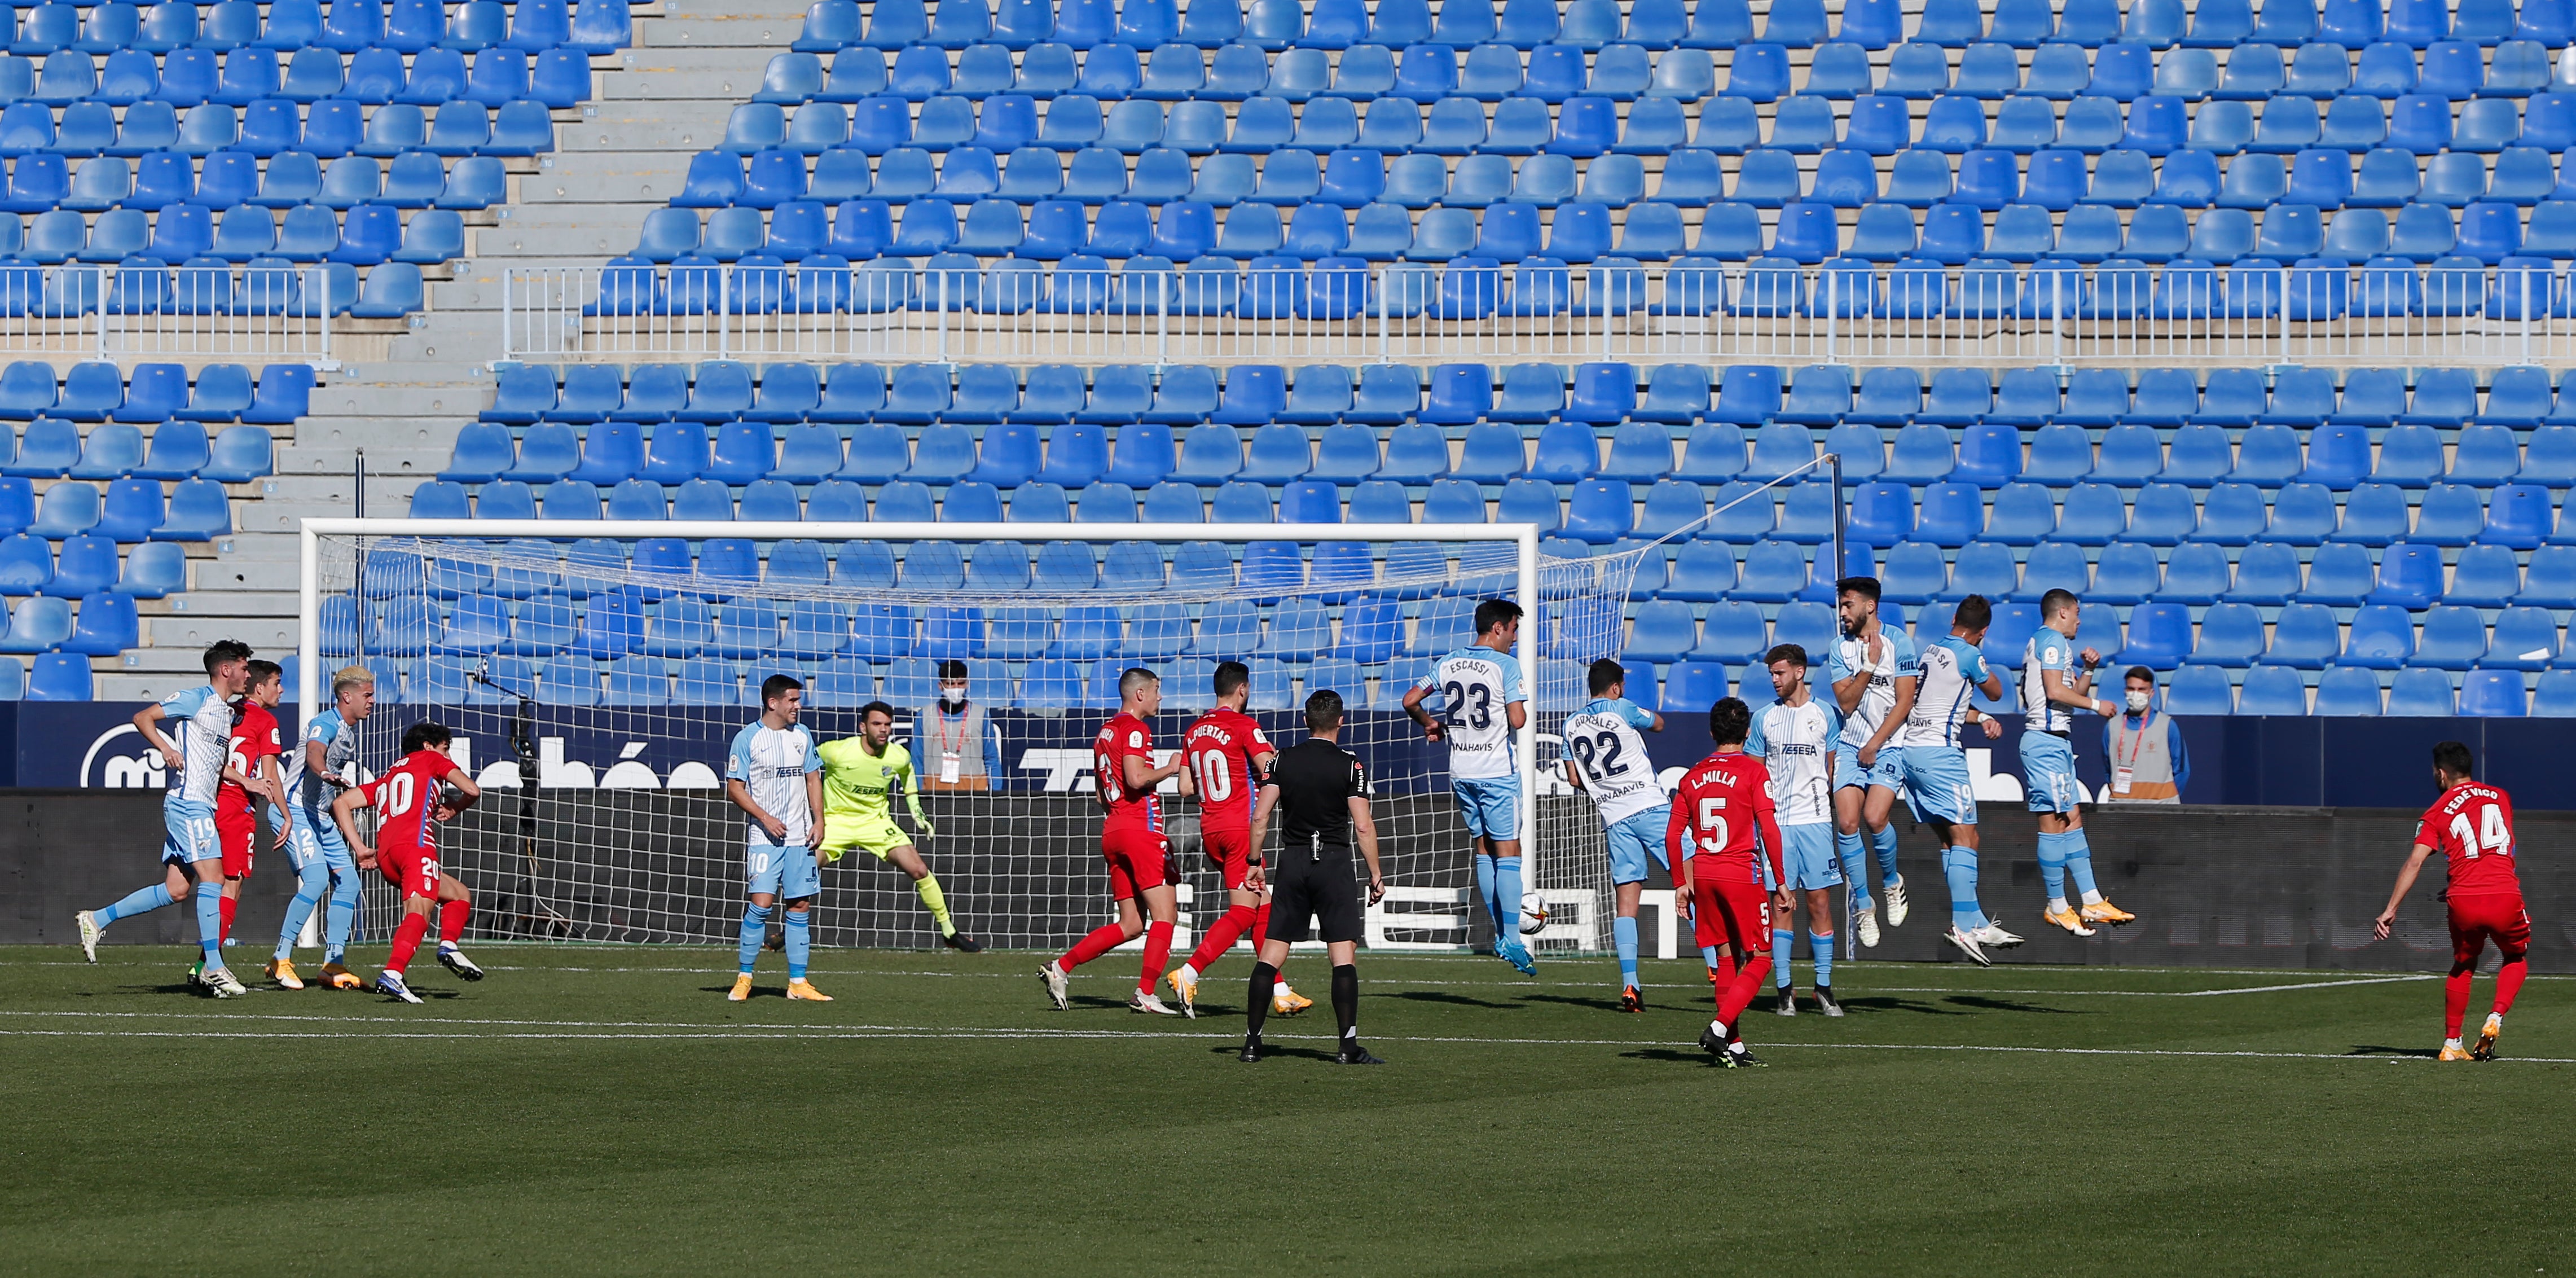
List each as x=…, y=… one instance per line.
x=2489, y=916
x=1231, y=851
x=235, y=832
x=415, y=872
x=1137, y=858
x=1737, y=911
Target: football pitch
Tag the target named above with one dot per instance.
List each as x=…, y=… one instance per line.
x=597, y=1109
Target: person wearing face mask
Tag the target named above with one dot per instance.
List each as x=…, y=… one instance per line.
x=961, y=747
x=2144, y=747
x=2056, y=681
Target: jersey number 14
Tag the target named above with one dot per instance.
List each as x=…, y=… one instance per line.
x=2491, y=834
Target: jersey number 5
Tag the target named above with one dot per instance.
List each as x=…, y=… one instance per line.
x=1712, y=824
x=2492, y=835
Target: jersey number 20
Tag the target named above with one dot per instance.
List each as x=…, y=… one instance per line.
x=399, y=792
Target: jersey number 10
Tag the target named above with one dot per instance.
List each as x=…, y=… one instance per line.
x=1216, y=780
x=2492, y=835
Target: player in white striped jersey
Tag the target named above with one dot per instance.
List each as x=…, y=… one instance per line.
x=1605, y=758
x=1874, y=672
x=201, y=720
x=1482, y=711
x=2051, y=688
x=1937, y=786
x=1795, y=738
x=316, y=775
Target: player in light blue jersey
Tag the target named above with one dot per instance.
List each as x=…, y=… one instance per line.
x=2052, y=687
x=195, y=751
x=1482, y=712
x=1874, y=672
x=1796, y=738
x=316, y=775
x=775, y=776
x=1937, y=784
x=1605, y=758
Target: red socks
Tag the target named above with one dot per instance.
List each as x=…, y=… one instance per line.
x=1726, y=966
x=1260, y=927
x=1102, y=940
x=407, y=937
x=228, y=907
x=2509, y=982
x=1222, y=937
x=1158, y=955
x=2455, y=999
x=451, y=920
x=1739, y=993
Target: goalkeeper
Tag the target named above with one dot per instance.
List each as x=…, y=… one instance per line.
x=860, y=776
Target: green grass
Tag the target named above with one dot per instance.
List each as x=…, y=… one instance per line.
x=604, y=1110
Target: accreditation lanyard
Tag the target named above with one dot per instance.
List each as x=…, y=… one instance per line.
x=2122, y=773
x=950, y=748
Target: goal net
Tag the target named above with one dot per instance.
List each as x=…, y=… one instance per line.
x=594, y=683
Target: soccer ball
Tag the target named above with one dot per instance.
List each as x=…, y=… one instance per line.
x=1533, y=914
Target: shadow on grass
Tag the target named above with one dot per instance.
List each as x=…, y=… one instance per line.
x=2375, y=1049
x=1275, y=1051
x=1985, y=1004
x=1447, y=999
x=1570, y=1000
x=1671, y=1056
x=1882, y=1003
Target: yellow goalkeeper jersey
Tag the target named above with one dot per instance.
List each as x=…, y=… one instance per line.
x=859, y=784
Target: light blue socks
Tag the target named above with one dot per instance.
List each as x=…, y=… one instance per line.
x=1847, y=848
x=1708, y=955
x=1883, y=844
x=309, y=888
x=755, y=929
x=2052, y=866
x=341, y=917
x=1485, y=893
x=800, y=944
x=210, y=922
x=140, y=901
x=1507, y=898
x=1821, y=946
x=1959, y=866
x=1782, y=939
x=1624, y=931
x=2079, y=862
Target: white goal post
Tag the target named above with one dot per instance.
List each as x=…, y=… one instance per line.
x=589, y=851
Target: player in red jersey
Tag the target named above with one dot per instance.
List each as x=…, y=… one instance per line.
x=2472, y=825
x=410, y=799
x=251, y=766
x=1131, y=840
x=1723, y=802
x=1229, y=756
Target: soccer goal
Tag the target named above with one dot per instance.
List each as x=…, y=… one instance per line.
x=595, y=673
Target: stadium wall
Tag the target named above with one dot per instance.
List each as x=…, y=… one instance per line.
x=2213, y=886
x=2241, y=760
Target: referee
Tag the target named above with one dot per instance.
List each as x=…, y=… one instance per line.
x=1320, y=791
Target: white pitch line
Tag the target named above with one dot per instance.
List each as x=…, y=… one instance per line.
x=729, y=1034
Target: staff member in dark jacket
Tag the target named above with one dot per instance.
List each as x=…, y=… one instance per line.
x=1320, y=792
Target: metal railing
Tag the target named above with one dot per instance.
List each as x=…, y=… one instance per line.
x=2059, y=313
x=148, y=311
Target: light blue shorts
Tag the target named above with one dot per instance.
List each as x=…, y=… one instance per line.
x=317, y=837
x=1637, y=841
x=2048, y=770
x=188, y=834
x=1807, y=857
x=788, y=873
x=1491, y=806
x=1936, y=785
x=1886, y=772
